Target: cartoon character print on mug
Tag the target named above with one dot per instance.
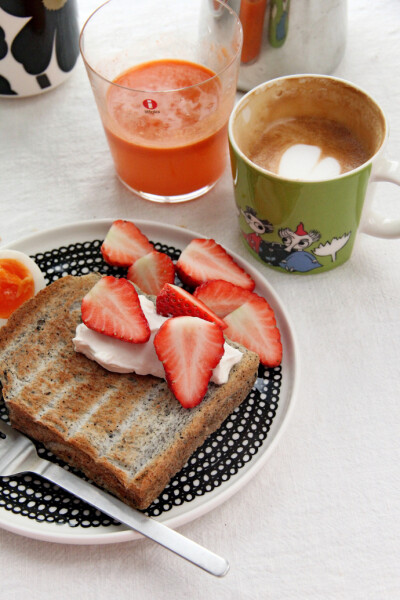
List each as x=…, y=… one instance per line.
x=39, y=45
x=304, y=150
x=297, y=251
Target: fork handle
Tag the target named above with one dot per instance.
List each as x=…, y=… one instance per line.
x=156, y=531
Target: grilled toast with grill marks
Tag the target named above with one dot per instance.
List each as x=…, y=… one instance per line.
x=126, y=432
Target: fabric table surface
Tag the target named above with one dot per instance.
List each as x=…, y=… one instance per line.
x=321, y=519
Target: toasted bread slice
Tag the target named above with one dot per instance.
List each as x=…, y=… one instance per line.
x=127, y=433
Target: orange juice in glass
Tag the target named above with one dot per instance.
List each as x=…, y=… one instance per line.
x=164, y=79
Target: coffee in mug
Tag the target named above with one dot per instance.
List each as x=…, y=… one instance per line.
x=309, y=148
x=303, y=152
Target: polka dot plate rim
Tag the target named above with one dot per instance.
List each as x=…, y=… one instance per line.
x=169, y=236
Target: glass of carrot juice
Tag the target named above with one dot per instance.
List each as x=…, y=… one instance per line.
x=164, y=78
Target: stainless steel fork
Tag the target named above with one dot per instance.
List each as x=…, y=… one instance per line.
x=18, y=455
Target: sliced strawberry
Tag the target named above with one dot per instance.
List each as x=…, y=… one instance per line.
x=112, y=307
x=222, y=297
x=204, y=259
x=124, y=243
x=152, y=271
x=253, y=325
x=189, y=348
x=174, y=301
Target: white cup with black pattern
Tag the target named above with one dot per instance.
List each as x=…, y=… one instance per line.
x=39, y=45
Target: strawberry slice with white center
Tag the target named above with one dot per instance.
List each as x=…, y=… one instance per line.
x=189, y=348
x=152, y=271
x=204, y=259
x=124, y=244
x=223, y=297
x=174, y=301
x=253, y=325
x=112, y=307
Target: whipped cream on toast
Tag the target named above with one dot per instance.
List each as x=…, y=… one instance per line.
x=123, y=357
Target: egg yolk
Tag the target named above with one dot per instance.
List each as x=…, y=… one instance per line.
x=16, y=286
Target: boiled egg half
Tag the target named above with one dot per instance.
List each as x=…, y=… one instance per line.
x=20, y=279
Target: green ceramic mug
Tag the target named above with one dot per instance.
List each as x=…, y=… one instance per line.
x=304, y=151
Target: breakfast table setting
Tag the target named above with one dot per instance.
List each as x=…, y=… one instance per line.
x=303, y=501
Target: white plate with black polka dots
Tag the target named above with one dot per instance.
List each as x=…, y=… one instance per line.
x=225, y=462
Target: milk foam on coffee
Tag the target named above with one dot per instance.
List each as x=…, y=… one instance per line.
x=307, y=148
x=303, y=161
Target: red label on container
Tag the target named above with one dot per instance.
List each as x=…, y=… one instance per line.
x=150, y=104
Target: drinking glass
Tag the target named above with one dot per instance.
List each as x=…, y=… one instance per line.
x=164, y=78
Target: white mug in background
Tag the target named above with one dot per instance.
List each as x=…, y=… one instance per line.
x=39, y=45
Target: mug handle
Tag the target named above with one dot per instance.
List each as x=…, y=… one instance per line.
x=377, y=224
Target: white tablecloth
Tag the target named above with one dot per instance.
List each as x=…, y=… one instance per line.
x=321, y=519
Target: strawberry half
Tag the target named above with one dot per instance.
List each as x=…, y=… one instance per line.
x=222, y=297
x=124, y=244
x=189, y=348
x=204, y=259
x=152, y=271
x=112, y=307
x=174, y=301
x=253, y=325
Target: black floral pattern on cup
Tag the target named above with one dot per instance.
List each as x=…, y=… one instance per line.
x=5, y=87
x=3, y=44
x=45, y=26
